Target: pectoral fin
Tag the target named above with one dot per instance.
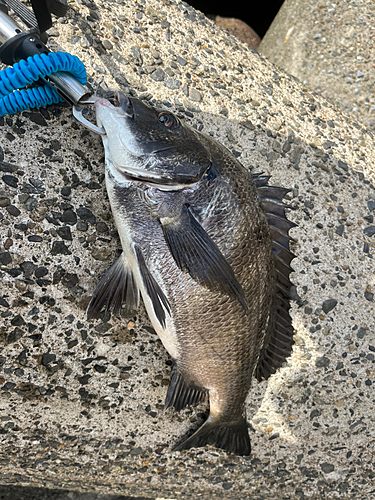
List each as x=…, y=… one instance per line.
x=116, y=287
x=197, y=254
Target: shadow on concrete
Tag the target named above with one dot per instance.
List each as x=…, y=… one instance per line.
x=26, y=493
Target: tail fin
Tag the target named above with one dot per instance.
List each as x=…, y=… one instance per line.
x=233, y=438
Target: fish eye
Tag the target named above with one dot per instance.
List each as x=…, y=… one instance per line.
x=169, y=120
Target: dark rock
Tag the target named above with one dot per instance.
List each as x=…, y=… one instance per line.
x=84, y=380
x=248, y=124
x=69, y=280
x=14, y=272
x=361, y=333
x=101, y=254
x=371, y=205
x=86, y=215
x=102, y=227
x=137, y=55
x=315, y=413
x=18, y=321
x=15, y=335
x=309, y=472
x=13, y=210
x=3, y=302
x=57, y=275
x=86, y=361
x=28, y=268
x=4, y=201
x=327, y=468
x=322, y=362
x=8, y=386
x=181, y=61
x=10, y=180
x=72, y=343
x=48, y=358
x=35, y=238
x=40, y=272
x=69, y=217
x=370, y=230
x=5, y=258
x=100, y=368
x=328, y=305
x=82, y=226
x=94, y=185
x=343, y=165
x=8, y=167
x=227, y=486
x=103, y=328
x=158, y=75
x=64, y=233
x=31, y=204
x=66, y=191
x=59, y=248
x=36, y=117
x=136, y=451
x=22, y=227
x=340, y=230
x=320, y=165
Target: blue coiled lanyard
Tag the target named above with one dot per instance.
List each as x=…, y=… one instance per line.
x=14, y=97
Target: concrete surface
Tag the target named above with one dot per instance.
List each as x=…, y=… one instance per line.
x=9, y=492
x=329, y=46
x=81, y=404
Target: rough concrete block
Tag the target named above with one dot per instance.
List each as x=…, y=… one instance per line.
x=81, y=405
x=329, y=47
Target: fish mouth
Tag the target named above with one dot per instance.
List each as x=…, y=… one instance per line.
x=158, y=181
x=152, y=171
x=124, y=103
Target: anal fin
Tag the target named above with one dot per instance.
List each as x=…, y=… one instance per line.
x=116, y=287
x=181, y=394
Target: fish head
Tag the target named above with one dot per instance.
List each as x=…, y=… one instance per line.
x=149, y=145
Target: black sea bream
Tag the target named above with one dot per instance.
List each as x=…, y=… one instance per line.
x=205, y=244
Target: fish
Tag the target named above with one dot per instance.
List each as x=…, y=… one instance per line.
x=206, y=246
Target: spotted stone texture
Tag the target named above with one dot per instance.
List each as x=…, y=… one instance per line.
x=329, y=46
x=81, y=404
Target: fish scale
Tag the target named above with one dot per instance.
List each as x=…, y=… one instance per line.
x=206, y=246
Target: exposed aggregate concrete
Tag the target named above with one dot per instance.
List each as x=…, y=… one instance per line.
x=329, y=46
x=82, y=402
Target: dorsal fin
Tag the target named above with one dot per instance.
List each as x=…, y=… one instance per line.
x=279, y=338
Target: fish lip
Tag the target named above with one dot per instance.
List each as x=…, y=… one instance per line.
x=156, y=180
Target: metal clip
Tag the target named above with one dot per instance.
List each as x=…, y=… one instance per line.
x=78, y=114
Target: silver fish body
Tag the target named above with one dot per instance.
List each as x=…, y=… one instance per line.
x=205, y=244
